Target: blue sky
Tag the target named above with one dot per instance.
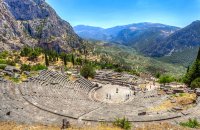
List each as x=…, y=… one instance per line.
x=109, y=13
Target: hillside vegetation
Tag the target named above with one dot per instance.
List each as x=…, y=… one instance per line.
x=185, y=57
x=129, y=56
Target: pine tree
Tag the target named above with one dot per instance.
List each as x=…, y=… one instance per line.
x=72, y=59
x=65, y=59
x=46, y=60
x=193, y=72
x=198, y=55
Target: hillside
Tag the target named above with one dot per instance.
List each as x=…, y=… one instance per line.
x=130, y=57
x=35, y=23
x=142, y=39
x=185, y=38
x=185, y=57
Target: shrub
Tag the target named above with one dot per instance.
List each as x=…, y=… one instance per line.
x=26, y=51
x=191, y=123
x=15, y=80
x=88, y=71
x=10, y=62
x=157, y=75
x=195, y=83
x=2, y=61
x=122, y=123
x=79, y=61
x=119, y=69
x=7, y=62
x=33, y=56
x=134, y=72
x=182, y=94
x=166, y=79
x=2, y=66
x=4, y=54
x=38, y=67
x=25, y=67
x=17, y=59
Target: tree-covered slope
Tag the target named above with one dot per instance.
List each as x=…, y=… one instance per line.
x=126, y=55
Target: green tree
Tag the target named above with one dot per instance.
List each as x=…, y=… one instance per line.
x=65, y=59
x=193, y=72
x=166, y=79
x=87, y=71
x=31, y=53
x=25, y=51
x=188, y=69
x=46, y=60
x=79, y=61
x=73, y=59
x=195, y=83
x=38, y=67
x=25, y=67
x=33, y=56
x=158, y=75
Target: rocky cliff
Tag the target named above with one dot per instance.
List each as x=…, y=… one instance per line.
x=35, y=23
x=10, y=33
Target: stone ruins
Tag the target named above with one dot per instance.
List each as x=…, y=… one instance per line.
x=51, y=97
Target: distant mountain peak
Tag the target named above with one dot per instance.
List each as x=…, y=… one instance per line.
x=123, y=32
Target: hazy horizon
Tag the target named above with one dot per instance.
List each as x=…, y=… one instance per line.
x=110, y=13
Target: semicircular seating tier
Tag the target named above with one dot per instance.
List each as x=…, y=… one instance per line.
x=50, y=97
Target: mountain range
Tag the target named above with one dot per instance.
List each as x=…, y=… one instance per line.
x=150, y=39
x=116, y=33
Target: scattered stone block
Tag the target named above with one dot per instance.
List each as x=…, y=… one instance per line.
x=16, y=75
x=177, y=108
x=169, y=92
x=11, y=69
x=27, y=73
x=173, y=101
x=197, y=92
x=190, y=91
x=142, y=113
x=8, y=73
x=178, y=91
